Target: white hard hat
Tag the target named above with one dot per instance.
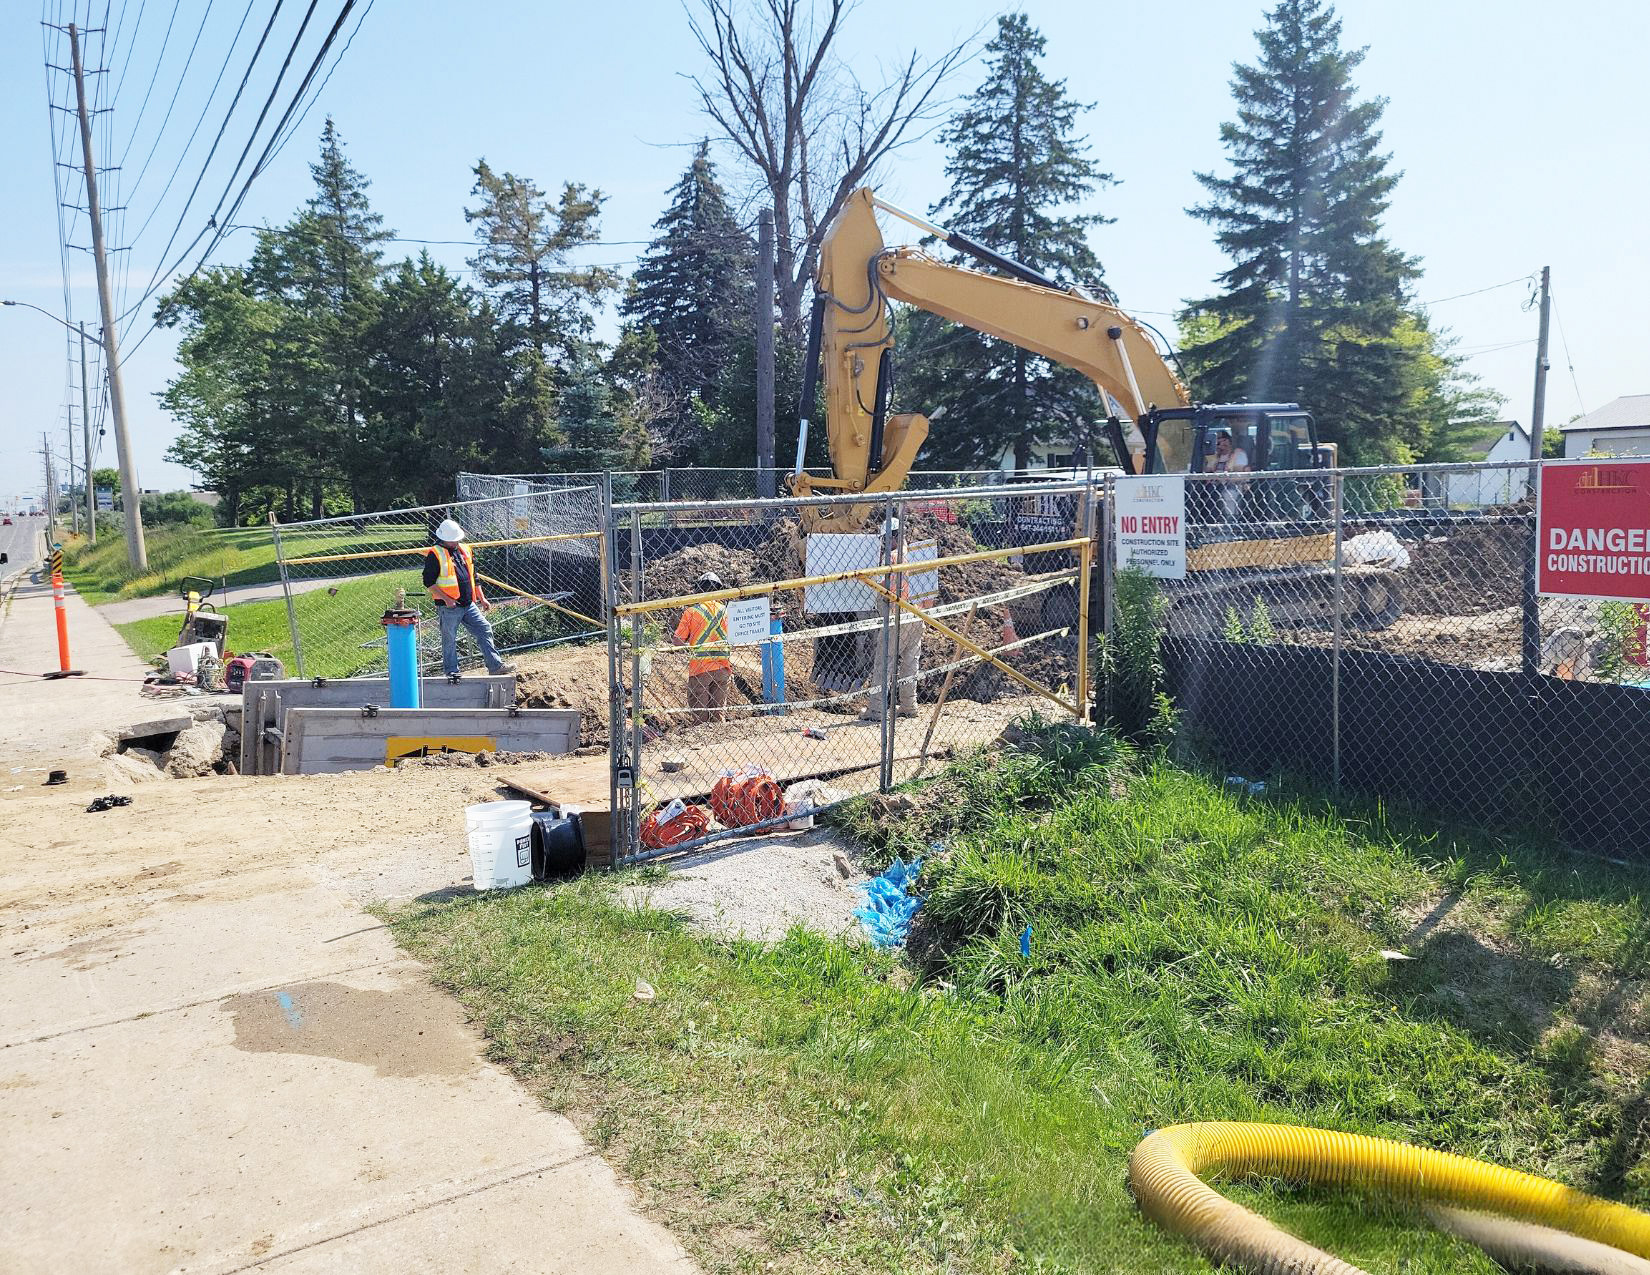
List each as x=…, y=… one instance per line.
x=449, y=531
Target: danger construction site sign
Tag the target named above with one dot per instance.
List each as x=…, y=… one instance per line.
x=1593, y=530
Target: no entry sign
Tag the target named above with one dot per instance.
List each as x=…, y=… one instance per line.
x=1150, y=524
x=1593, y=529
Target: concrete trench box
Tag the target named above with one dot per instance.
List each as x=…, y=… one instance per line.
x=326, y=740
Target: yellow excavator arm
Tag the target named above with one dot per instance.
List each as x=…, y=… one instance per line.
x=857, y=277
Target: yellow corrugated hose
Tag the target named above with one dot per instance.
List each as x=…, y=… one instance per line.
x=1164, y=1175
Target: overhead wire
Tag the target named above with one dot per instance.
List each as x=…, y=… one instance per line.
x=160, y=132
x=325, y=80
x=189, y=145
x=263, y=159
x=1569, y=362
x=161, y=272
x=154, y=75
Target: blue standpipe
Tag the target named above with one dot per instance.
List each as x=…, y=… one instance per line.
x=401, y=637
x=773, y=667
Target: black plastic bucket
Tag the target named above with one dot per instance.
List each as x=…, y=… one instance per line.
x=558, y=845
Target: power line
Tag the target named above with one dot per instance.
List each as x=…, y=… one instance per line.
x=160, y=266
x=1523, y=278
x=258, y=168
x=170, y=106
x=327, y=79
x=1570, y=362
x=188, y=145
x=136, y=26
x=153, y=76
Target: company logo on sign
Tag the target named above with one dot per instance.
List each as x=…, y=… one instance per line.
x=1598, y=478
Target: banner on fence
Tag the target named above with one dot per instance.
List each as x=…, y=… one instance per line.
x=1593, y=528
x=1149, y=519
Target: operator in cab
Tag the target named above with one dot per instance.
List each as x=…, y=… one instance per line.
x=1230, y=458
x=450, y=577
x=703, y=629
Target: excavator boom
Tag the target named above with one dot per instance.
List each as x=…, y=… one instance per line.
x=858, y=275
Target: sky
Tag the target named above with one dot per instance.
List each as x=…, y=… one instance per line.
x=1519, y=128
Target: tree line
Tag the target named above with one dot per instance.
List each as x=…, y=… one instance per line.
x=321, y=377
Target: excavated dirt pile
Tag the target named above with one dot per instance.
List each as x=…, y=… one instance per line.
x=568, y=677
x=1474, y=568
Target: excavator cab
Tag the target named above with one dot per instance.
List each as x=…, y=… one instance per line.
x=1264, y=436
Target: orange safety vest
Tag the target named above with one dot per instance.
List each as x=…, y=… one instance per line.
x=446, y=583
x=704, y=627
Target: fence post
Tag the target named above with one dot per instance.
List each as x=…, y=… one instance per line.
x=1085, y=569
x=638, y=625
x=1530, y=603
x=1108, y=590
x=890, y=653
x=621, y=797
x=286, y=590
x=1340, y=611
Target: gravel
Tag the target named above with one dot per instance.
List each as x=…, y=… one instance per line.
x=759, y=887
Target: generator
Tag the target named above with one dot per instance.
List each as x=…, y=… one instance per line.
x=238, y=670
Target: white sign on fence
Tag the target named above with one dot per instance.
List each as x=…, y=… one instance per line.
x=748, y=621
x=1149, y=520
x=826, y=553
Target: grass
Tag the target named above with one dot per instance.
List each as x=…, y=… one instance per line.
x=238, y=555
x=818, y=1105
x=340, y=628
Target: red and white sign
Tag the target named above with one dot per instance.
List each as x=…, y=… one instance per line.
x=1593, y=529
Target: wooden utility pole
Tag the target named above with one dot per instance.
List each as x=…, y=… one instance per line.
x=74, y=505
x=1538, y=411
x=765, y=476
x=1530, y=622
x=132, y=495
x=86, y=425
x=51, y=489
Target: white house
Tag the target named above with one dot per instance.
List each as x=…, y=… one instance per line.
x=1497, y=441
x=1619, y=428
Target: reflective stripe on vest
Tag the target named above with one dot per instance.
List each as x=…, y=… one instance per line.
x=447, y=581
x=712, y=641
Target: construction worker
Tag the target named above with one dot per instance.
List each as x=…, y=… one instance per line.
x=450, y=577
x=904, y=628
x=703, y=629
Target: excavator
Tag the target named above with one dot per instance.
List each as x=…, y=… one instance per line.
x=1152, y=425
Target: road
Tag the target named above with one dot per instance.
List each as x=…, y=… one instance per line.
x=20, y=542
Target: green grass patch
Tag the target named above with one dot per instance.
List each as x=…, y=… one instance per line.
x=1194, y=955
x=241, y=555
x=340, y=628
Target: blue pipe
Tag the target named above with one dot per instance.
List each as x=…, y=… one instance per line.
x=773, y=666
x=401, y=637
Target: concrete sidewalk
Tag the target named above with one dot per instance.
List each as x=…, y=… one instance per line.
x=212, y=1060
x=54, y=723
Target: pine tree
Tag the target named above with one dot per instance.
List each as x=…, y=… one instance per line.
x=525, y=240
x=691, y=293
x=1017, y=169
x=1312, y=308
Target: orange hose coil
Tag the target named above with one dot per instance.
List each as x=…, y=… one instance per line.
x=689, y=824
x=740, y=800
x=1164, y=1175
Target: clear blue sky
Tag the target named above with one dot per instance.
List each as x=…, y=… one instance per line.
x=1520, y=128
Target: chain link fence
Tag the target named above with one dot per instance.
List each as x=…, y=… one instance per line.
x=1380, y=630
x=703, y=484
x=537, y=553
x=767, y=664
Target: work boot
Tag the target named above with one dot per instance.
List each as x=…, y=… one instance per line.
x=502, y=669
x=907, y=710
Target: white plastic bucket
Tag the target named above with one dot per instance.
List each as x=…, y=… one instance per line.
x=500, y=834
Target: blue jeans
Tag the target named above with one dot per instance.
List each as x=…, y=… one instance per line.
x=472, y=618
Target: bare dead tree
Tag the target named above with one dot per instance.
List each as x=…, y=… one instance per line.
x=808, y=129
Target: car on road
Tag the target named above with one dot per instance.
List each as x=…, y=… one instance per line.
x=6, y=521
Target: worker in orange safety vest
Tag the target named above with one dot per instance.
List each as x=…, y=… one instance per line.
x=703, y=629
x=450, y=577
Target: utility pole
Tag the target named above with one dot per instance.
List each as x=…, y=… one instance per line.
x=1530, y=624
x=74, y=505
x=86, y=424
x=764, y=356
x=1538, y=412
x=132, y=494
x=51, y=493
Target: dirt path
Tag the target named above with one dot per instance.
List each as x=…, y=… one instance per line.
x=213, y=1059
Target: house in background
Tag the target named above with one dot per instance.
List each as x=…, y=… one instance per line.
x=1494, y=441
x=1619, y=428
